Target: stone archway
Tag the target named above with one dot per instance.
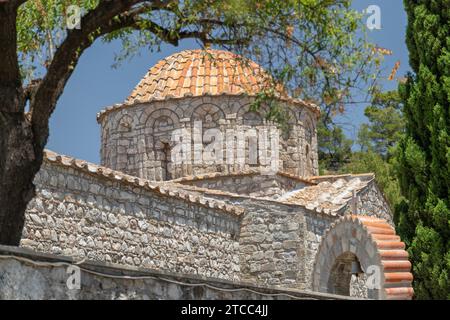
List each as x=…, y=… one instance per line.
x=371, y=245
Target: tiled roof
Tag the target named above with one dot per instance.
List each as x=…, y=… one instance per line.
x=327, y=197
x=309, y=197
x=201, y=72
x=106, y=173
x=209, y=72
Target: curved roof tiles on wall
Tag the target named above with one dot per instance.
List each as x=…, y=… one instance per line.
x=376, y=242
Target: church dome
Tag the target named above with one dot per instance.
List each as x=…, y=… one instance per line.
x=216, y=88
x=199, y=73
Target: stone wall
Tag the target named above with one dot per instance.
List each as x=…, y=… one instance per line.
x=28, y=275
x=315, y=226
x=87, y=216
x=138, y=139
x=271, y=245
x=278, y=241
x=371, y=202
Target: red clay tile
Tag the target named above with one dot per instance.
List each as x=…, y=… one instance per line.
x=394, y=259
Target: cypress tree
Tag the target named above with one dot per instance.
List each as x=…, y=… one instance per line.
x=423, y=219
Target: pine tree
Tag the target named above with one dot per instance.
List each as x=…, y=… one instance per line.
x=386, y=124
x=423, y=219
x=335, y=148
x=378, y=140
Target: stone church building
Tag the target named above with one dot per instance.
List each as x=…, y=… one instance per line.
x=158, y=202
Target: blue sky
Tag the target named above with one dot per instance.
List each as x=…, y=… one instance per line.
x=95, y=84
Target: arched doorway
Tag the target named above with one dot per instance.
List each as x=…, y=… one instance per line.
x=363, y=257
x=347, y=278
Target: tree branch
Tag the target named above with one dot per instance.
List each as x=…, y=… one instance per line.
x=109, y=16
x=94, y=24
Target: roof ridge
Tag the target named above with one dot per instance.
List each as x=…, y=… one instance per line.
x=118, y=176
x=212, y=175
x=326, y=196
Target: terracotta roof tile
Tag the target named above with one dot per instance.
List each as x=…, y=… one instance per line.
x=243, y=76
x=397, y=268
x=390, y=254
x=204, y=73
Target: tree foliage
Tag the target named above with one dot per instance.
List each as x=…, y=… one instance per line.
x=378, y=140
x=335, y=149
x=312, y=46
x=423, y=219
x=386, y=124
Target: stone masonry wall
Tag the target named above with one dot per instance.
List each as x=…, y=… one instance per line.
x=271, y=245
x=371, y=202
x=45, y=277
x=138, y=139
x=85, y=216
x=315, y=226
x=278, y=242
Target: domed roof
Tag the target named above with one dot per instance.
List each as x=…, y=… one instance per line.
x=201, y=72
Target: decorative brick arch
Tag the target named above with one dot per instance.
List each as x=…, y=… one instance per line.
x=125, y=123
x=246, y=109
x=373, y=243
x=209, y=114
x=162, y=113
x=290, y=114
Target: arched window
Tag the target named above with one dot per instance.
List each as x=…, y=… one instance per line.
x=165, y=161
x=308, y=159
x=344, y=275
x=209, y=115
x=308, y=133
x=125, y=124
x=252, y=118
x=163, y=124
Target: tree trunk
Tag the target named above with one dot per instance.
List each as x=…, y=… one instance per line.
x=18, y=159
x=19, y=163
